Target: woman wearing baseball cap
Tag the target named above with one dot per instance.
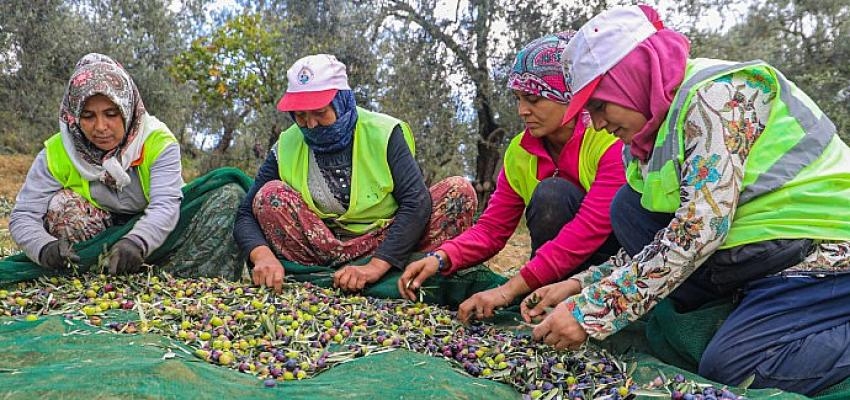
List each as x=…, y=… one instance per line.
x=562, y=177
x=340, y=184
x=737, y=182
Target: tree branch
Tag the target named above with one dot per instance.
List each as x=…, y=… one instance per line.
x=406, y=12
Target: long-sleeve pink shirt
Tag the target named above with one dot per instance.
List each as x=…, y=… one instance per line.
x=578, y=239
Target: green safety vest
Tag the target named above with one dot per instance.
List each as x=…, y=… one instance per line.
x=521, y=166
x=60, y=166
x=797, y=175
x=372, y=204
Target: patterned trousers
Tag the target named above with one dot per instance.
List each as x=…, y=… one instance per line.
x=298, y=234
x=204, y=249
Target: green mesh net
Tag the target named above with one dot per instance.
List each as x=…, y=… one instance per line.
x=51, y=358
x=58, y=358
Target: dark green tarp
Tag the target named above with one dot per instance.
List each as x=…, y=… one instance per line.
x=49, y=359
x=54, y=358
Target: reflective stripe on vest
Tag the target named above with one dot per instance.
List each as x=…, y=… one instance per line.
x=62, y=169
x=521, y=166
x=372, y=205
x=789, y=170
x=819, y=130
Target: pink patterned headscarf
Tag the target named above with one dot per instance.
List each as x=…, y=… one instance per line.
x=537, y=68
x=99, y=74
x=646, y=81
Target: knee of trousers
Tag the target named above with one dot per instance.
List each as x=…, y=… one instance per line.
x=278, y=189
x=555, y=193
x=718, y=363
x=458, y=183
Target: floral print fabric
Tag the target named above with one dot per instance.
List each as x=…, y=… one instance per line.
x=99, y=74
x=723, y=121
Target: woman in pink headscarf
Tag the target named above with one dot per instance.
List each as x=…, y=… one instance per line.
x=737, y=183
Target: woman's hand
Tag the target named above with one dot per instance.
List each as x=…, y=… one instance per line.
x=417, y=273
x=481, y=305
x=560, y=330
x=353, y=278
x=125, y=257
x=268, y=271
x=484, y=304
x=534, y=306
x=57, y=254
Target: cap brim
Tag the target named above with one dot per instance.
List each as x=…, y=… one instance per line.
x=579, y=100
x=305, y=101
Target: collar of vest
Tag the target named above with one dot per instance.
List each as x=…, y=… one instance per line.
x=535, y=147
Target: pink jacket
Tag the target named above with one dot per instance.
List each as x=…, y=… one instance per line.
x=558, y=258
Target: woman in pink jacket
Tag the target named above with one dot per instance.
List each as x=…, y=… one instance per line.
x=562, y=177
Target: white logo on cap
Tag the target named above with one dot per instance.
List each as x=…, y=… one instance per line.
x=305, y=76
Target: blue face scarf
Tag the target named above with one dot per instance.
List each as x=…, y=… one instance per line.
x=329, y=139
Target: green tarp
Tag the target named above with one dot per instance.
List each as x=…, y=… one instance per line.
x=50, y=359
x=55, y=358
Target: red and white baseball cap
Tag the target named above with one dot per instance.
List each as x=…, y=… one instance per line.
x=600, y=44
x=313, y=82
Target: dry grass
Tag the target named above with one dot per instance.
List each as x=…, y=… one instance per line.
x=514, y=255
x=13, y=170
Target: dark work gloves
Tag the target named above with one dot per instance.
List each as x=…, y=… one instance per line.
x=125, y=258
x=57, y=254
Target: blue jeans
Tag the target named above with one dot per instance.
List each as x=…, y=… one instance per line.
x=554, y=203
x=792, y=333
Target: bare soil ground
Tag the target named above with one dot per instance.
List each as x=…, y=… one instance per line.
x=13, y=170
x=514, y=255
